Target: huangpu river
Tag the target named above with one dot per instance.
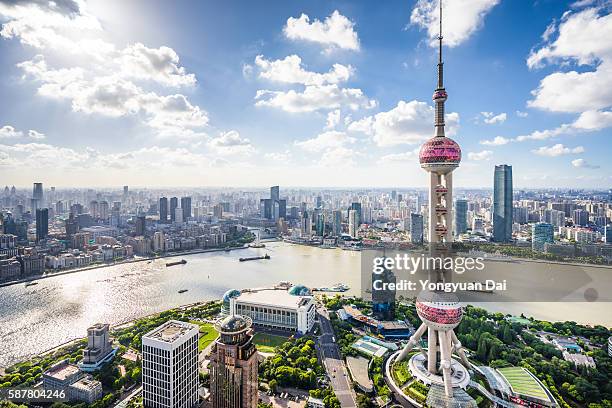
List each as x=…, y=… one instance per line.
x=58, y=309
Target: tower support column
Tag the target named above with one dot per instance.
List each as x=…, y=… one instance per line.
x=448, y=178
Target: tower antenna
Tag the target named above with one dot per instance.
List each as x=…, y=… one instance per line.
x=440, y=63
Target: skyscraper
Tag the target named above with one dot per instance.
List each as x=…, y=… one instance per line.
x=234, y=365
x=126, y=191
x=306, y=225
x=141, y=223
x=42, y=223
x=274, y=193
x=502, y=203
x=460, y=217
x=416, y=228
x=173, y=206
x=541, y=233
x=38, y=195
x=359, y=215
x=186, y=206
x=163, y=209
x=353, y=223
x=170, y=366
x=337, y=223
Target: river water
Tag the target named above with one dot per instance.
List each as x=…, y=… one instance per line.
x=58, y=309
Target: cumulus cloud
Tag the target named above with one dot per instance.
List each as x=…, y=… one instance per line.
x=33, y=134
x=581, y=163
x=583, y=38
x=404, y=157
x=290, y=70
x=314, y=98
x=335, y=32
x=339, y=157
x=497, y=141
x=521, y=114
x=490, y=118
x=557, y=150
x=231, y=143
x=478, y=156
x=467, y=17
x=333, y=119
x=9, y=132
x=407, y=123
x=588, y=121
x=325, y=140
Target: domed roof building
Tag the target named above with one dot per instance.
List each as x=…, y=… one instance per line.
x=227, y=297
x=299, y=290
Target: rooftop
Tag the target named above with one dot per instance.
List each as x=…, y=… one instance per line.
x=170, y=331
x=523, y=383
x=62, y=371
x=86, y=384
x=273, y=297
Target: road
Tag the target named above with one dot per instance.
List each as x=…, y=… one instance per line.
x=333, y=362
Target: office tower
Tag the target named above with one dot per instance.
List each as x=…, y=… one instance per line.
x=460, y=217
x=99, y=348
x=94, y=209
x=163, y=209
x=72, y=226
x=358, y=215
x=42, y=224
x=126, y=191
x=59, y=207
x=218, y=211
x=502, y=203
x=416, y=228
x=353, y=223
x=608, y=234
x=141, y=225
x=178, y=215
x=580, y=217
x=320, y=224
x=306, y=226
x=34, y=205
x=186, y=206
x=38, y=195
x=337, y=223
x=265, y=208
x=439, y=311
x=173, y=206
x=541, y=233
x=76, y=209
x=115, y=219
x=104, y=210
x=234, y=365
x=383, y=301
x=170, y=366
x=274, y=193
x=319, y=202
x=158, y=241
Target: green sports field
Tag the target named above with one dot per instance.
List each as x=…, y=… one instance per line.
x=267, y=343
x=523, y=383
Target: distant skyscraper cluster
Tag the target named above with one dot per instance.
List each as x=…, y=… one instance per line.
x=273, y=208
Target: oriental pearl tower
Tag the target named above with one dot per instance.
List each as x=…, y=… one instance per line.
x=439, y=311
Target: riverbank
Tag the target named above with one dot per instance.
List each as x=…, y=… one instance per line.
x=124, y=262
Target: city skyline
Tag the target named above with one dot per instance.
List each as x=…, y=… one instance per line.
x=358, y=100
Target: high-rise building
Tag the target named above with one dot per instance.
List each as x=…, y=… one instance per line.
x=126, y=191
x=541, y=233
x=502, y=203
x=141, y=225
x=234, y=365
x=580, y=217
x=42, y=224
x=104, y=211
x=608, y=234
x=274, y=193
x=353, y=223
x=306, y=225
x=186, y=206
x=173, y=206
x=337, y=223
x=460, y=217
x=99, y=348
x=359, y=215
x=163, y=209
x=170, y=366
x=416, y=228
x=218, y=211
x=38, y=195
x=178, y=215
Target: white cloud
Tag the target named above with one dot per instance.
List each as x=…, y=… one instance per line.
x=9, y=132
x=409, y=156
x=279, y=157
x=407, y=123
x=333, y=119
x=325, y=140
x=483, y=155
x=339, y=157
x=231, y=143
x=467, y=17
x=290, y=70
x=35, y=135
x=581, y=163
x=491, y=119
x=588, y=121
x=557, y=150
x=583, y=38
x=336, y=31
x=497, y=141
x=314, y=98
x=521, y=114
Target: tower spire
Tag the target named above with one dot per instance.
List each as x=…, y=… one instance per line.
x=440, y=95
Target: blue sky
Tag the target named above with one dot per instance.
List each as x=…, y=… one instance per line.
x=301, y=93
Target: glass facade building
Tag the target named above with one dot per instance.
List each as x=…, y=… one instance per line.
x=502, y=204
x=541, y=234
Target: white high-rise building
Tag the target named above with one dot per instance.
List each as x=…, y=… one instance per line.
x=178, y=215
x=170, y=366
x=352, y=223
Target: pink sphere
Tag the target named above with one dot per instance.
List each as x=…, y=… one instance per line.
x=440, y=151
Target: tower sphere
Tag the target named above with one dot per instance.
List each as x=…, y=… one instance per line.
x=441, y=154
x=439, y=310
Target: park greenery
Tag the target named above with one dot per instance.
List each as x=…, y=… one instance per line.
x=295, y=364
x=327, y=396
